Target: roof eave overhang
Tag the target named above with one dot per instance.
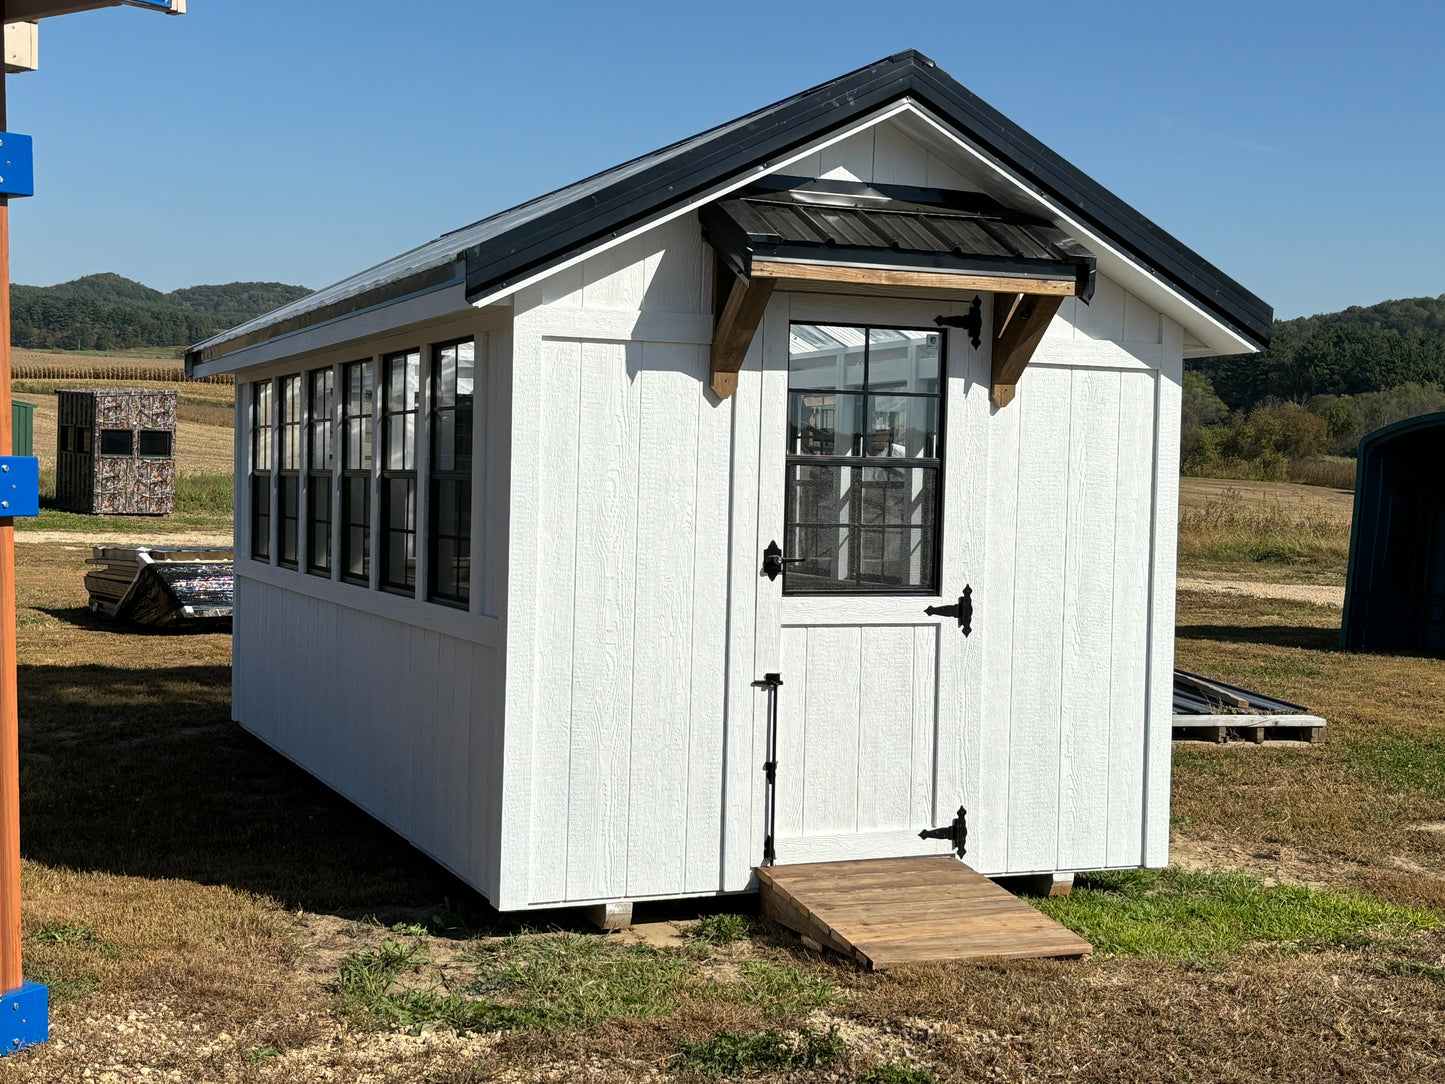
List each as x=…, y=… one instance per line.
x=561, y=236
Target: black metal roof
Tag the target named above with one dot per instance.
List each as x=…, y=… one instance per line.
x=501, y=250
x=890, y=226
x=1191, y=698
x=688, y=169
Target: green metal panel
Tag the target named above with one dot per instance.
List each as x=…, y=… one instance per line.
x=22, y=428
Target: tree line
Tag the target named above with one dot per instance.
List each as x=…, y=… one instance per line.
x=1324, y=382
x=110, y=312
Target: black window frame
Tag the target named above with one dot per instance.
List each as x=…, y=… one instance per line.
x=863, y=459
x=289, y=433
x=320, y=469
x=399, y=524
x=358, y=457
x=456, y=477
x=129, y=452
x=140, y=449
x=262, y=449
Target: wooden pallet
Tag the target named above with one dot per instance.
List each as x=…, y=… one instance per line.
x=890, y=911
x=1252, y=728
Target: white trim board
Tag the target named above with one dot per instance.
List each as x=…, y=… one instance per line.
x=481, y=629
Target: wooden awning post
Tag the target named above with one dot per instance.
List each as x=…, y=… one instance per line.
x=1020, y=321
x=737, y=323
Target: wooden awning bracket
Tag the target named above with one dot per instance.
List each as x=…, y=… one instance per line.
x=1020, y=321
x=739, y=305
x=1021, y=316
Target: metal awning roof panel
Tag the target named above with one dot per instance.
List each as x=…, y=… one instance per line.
x=891, y=227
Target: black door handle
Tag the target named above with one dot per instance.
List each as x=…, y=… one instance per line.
x=773, y=560
x=963, y=610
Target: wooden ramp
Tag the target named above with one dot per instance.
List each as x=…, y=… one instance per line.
x=889, y=911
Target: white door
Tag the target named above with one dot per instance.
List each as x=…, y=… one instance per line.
x=860, y=487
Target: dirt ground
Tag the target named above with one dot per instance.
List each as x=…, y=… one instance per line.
x=1317, y=594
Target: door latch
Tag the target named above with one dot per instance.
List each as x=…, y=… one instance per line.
x=956, y=833
x=773, y=560
x=963, y=610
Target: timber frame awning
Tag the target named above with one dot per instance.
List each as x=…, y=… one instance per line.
x=889, y=240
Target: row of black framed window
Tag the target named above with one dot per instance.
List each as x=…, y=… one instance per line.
x=277, y=421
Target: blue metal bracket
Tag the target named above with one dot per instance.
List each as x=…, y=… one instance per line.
x=19, y=485
x=17, y=165
x=24, y=1018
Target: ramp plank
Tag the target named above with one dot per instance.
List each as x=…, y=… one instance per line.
x=891, y=911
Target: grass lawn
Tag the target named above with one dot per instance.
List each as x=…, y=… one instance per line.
x=205, y=912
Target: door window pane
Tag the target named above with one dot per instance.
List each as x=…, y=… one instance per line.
x=904, y=360
x=827, y=357
x=824, y=423
x=862, y=488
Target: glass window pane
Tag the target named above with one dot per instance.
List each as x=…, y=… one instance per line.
x=824, y=423
x=902, y=359
x=902, y=426
x=819, y=494
x=466, y=369
x=116, y=441
x=823, y=356
x=155, y=442
x=446, y=392
x=445, y=434
x=826, y=555
x=861, y=528
x=893, y=497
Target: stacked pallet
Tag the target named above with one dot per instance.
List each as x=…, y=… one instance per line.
x=158, y=584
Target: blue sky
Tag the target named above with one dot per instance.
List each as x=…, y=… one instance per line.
x=1298, y=146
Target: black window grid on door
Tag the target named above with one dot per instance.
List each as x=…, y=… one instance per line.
x=864, y=483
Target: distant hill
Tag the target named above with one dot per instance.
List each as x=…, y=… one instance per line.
x=1362, y=349
x=111, y=312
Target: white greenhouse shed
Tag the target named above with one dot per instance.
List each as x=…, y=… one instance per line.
x=867, y=389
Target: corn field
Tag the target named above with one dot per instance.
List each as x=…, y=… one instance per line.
x=108, y=369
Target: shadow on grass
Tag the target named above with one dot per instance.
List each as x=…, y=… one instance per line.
x=83, y=617
x=1310, y=637
x=141, y=772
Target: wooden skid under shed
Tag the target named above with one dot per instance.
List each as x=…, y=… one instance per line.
x=885, y=912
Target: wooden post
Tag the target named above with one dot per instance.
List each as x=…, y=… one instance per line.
x=10, y=976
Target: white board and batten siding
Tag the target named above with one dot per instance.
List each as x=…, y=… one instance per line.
x=394, y=702
x=618, y=623
x=634, y=742
x=1076, y=604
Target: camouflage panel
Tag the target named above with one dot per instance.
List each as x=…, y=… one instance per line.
x=136, y=487
x=135, y=408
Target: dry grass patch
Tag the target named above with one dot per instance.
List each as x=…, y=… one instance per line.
x=1349, y=806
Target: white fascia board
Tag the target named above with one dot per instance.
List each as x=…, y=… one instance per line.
x=1113, y=262
x=741, y=180
x=416, y=309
